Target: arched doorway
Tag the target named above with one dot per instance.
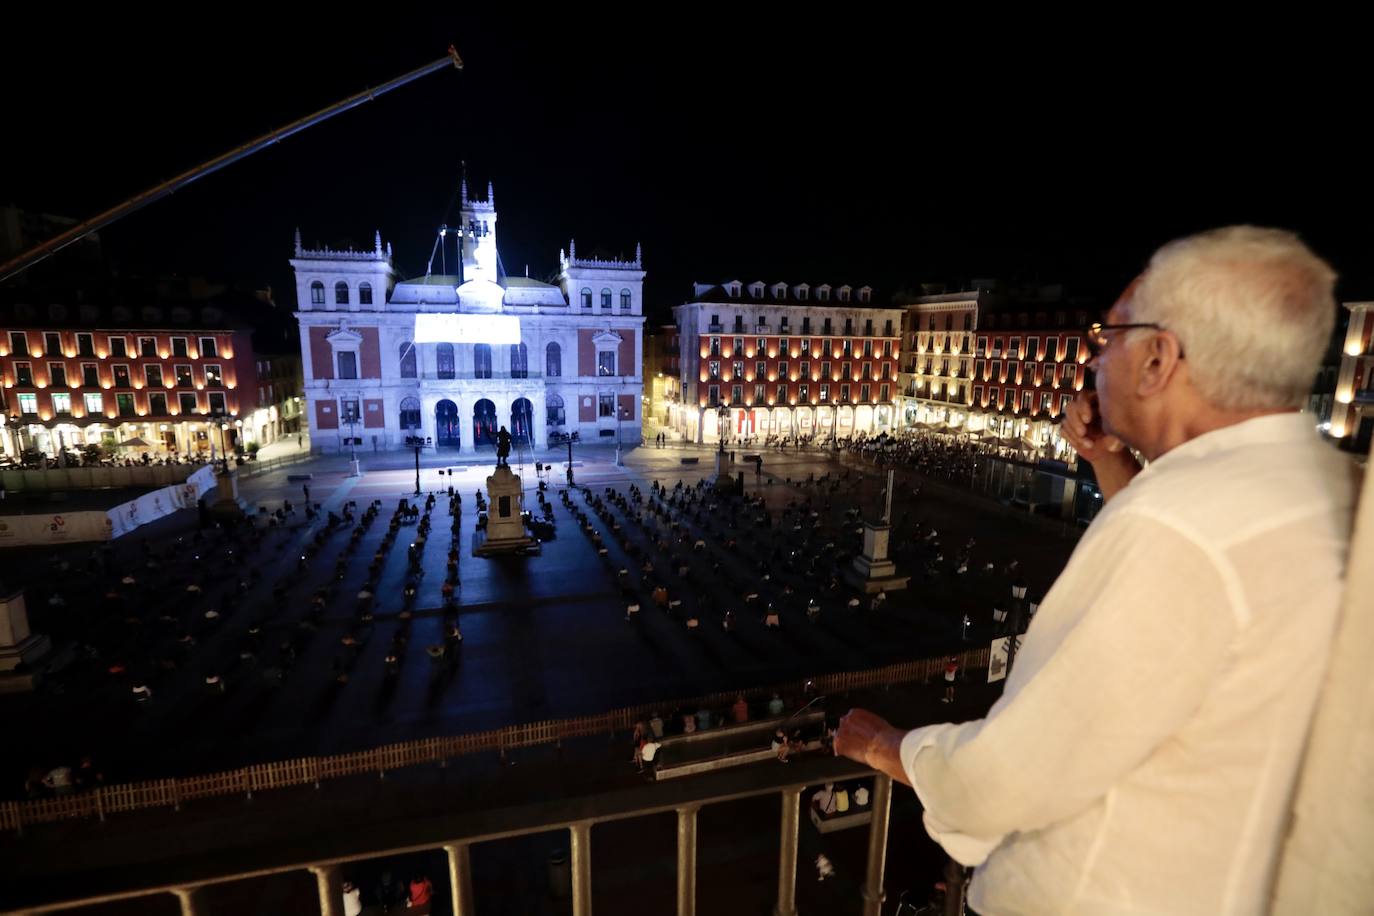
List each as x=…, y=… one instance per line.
x=483, y=423
x=447, y=432
x=522, y=421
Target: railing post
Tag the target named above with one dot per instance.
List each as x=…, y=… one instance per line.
x=877, y=845
x=582, y=868
x=954, y=888
x=460, y=878
x=687, y=860
x=189, y=899
x=787, y=853
x=330, y=884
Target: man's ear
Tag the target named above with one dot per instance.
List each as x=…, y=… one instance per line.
x=1162, y=360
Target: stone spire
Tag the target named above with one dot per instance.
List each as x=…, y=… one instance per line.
x=463, y=188
x=639, y=253
x=572, y=250
x=299, y=249
x=377, y=243
x=491, y=194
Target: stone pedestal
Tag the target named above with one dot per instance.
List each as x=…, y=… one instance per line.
x=505, y=527
x=18, y=645
x=872, y=571
x=224, y=500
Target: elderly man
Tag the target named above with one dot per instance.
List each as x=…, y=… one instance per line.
x=1141, y=756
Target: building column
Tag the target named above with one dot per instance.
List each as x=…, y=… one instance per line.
x=877, y=845
x=541, y=420
x=329, y=882
x=581, y=868
x=701, y=425
x=687, y=860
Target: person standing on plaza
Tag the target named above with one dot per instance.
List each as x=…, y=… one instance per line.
x=1151, y=662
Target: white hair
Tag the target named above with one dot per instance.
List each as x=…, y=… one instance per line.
x=1253, y=309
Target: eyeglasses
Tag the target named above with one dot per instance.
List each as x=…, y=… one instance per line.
x=1098, y=341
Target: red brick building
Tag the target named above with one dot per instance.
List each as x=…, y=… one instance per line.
x=171, y=376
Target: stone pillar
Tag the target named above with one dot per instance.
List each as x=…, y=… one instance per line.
x=581, y=868
x=460, y=878
x=687, y=860
x=877, y=845
x=18, y=645
x=329, y=882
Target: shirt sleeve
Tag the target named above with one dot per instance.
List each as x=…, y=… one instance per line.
x=1124, y=650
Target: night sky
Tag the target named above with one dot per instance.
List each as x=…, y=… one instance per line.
x=889, y=153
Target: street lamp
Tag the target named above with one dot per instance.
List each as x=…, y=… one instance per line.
x=619, y=415
x=722, y=424
x=417, y=443
x=352, y=419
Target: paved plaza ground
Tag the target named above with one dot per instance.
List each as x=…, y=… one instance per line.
x=544, y=637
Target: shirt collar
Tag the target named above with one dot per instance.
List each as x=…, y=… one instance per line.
x=1269, y=429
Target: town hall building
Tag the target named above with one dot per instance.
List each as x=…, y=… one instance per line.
x=454, y=357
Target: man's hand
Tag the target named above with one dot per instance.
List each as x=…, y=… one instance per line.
x=1082, y=428
x=1112, y=462
x=868, y=739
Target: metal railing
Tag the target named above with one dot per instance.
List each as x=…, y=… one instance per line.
x=305, y=771
x=329, y=872
x=263, y=466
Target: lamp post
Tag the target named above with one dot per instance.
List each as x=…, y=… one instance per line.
x=417, y=443
x=352, y=420
x=619, y=415
x=722, y=425
x=1018, y=603
x=18, y=441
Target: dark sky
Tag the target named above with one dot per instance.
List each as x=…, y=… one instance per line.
x=887, y=153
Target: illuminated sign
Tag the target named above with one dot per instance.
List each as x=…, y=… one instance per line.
x=469, y=329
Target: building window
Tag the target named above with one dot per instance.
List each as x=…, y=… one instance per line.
x=213, y=375
x=118, y=347
x=1071, y=349
x=52, y=343
x=736, y=394
x=760, y=370
x=178, y=346
x=783, y=348
x=713, y=395
x=863, y=393
x=825, y=393
x=57, y=375
x=1070, y=375
x=554, y=412
x=803, y=391
x=152, y=376
x=147, y=346
x=605, y=363
x=410, y=413
x=406, y=357
x=606, y=403
x=157, y=404
x=868, y=349
x=885, y=393
x=62, y=404
x=553, y=360
x=208, y=347
x=121, y=376
x=713, y=368
x=825, y=370
x=737, y=369
x=844, y=392
x=90, y=375
x=317, y=293
x=28, y=405
x=125, y=404
x=443, y=360
x=761, y=347
x=1045, y=397
x=217, y=404
x=364, y=293
x=19, y=343
x=624, y=300
x=758, y=394
x=519, y=361
x=782, y=368
x=481, y=361
x=586, y=298
x=94, y=403
x=782, y=394
x=348, y=365
x=348, y=411
x=739, y=346
x=187, y=401
x=605, y=300
x=715, y=346
x=845, y=372
x=341, y=293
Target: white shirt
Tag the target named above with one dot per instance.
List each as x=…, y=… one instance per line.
x=353, y=902
x=1142, y=755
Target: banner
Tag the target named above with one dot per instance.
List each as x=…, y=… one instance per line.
x=162, y=502
x=997, y=659
x=58, y=528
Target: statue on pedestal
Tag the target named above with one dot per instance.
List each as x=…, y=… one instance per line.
x=502, y=447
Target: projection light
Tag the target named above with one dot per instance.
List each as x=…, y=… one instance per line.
x=468, y=329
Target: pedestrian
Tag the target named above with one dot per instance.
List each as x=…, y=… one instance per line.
x=740, y=711
x=951, y=672
x=1190, y=726
x=420, y=895
x=59, y=780
x=306, y=488
x=352, y=899
x=648, y=753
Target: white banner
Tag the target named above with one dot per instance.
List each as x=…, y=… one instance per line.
x=997, y=659
x=58, y=528
x=152, y=506
x=460, y=329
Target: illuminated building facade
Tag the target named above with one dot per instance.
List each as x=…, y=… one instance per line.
x=774, y=359
x=78, y=375
x=994, y=368
x=454, y=357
